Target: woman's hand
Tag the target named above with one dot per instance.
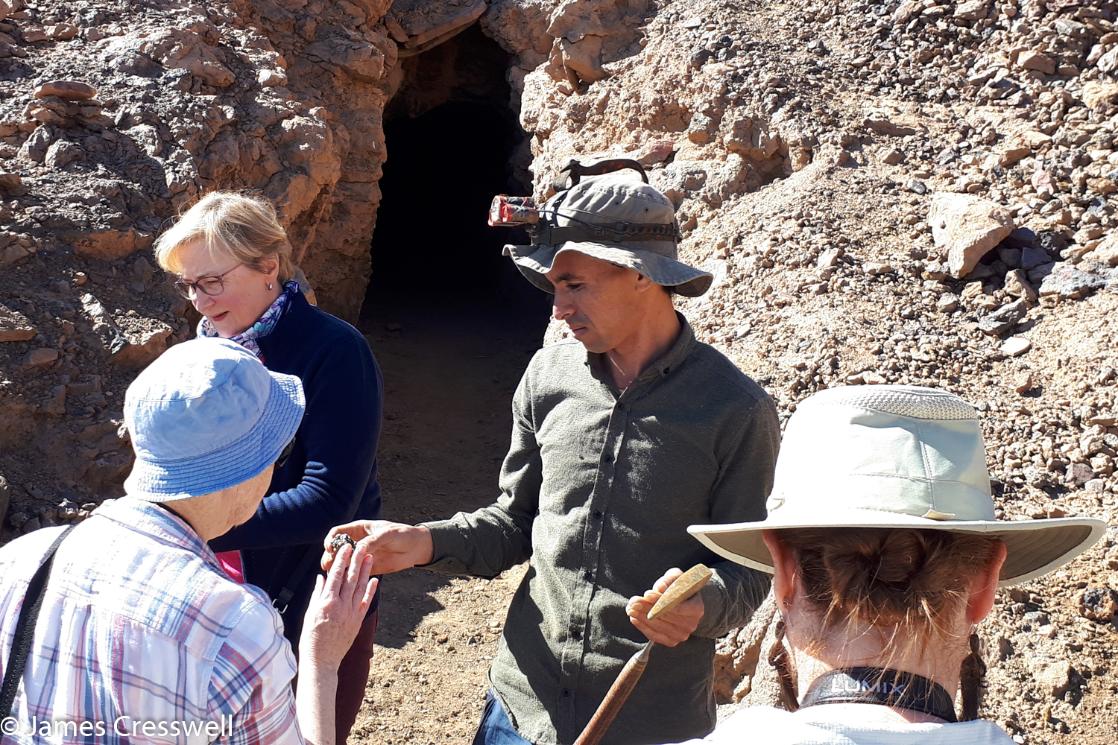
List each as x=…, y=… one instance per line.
x=392, y=546
x=338, y=605
x=671, y=627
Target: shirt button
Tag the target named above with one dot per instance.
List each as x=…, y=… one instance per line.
x=588, y=576
x=566, y=692
x=608, y=458
x=597, y=514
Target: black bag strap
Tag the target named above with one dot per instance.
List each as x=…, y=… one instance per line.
x=307, y=564
x=25, y=627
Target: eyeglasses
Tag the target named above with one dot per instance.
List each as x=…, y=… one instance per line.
x=211, y=284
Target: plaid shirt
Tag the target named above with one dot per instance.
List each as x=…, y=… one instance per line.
x=142, y=639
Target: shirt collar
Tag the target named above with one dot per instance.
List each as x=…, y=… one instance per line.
x=662, y=365
x=152, y=520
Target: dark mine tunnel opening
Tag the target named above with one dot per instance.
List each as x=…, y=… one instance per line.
x=451, y=321
x=453, y=142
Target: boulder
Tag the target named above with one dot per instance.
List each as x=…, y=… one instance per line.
x=357, y=58
x=1097, y=603
x=906, y=11
x=966, y=228
x=1109, y=62
x=62, y=153
x=40, y=358
x=426, y=24
x=1067, y=281
x=1037, y=274
x=109, y=245
x=14, y=326
x=1034, y=256
x=948, y=302
x=583, y=58
x=34, y=148
x=1021, y=145
x=749, y=138
x=972, y=10
x=1015, y=346
x=1054, y=678
x=1106, y=253
x=61, y=31
x=1004, y=318
x=178, y=49
x=1017, y=285
x=69, y=90
x=11, y=184
x=1037, y=61
x=141, y=352
x=1100, y=96
x=890, y=125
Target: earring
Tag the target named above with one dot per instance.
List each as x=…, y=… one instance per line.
x=782, y=663
x=971, y=674
x=270, y=285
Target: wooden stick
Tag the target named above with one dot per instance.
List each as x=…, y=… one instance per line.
x=685, y=586
x=616, y=697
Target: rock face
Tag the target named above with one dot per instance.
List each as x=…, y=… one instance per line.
x=966, y=227
x=881, y=189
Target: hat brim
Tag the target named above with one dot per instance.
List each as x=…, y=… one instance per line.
x=1033, y=547
x=535, y=261
x=237, y=462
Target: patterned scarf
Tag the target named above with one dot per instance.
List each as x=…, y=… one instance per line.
x=264, y=324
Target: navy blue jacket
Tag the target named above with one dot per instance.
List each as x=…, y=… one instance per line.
x=331, y=475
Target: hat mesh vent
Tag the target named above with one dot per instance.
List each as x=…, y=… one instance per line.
x=914, y=404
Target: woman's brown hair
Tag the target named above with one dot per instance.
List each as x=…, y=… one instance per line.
x=903, y=581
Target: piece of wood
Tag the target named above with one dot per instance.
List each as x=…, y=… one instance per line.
x=685, y=586
x=688, y=583
x=616, y=697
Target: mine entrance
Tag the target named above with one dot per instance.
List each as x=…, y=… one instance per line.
x=453, y=141
x=450, y=320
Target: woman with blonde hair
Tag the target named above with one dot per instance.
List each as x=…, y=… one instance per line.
x=231, y=258
x=885, y=554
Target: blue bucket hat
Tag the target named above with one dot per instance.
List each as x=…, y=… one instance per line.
x=205, y=416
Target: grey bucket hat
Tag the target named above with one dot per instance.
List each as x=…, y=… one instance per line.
x=610, y=200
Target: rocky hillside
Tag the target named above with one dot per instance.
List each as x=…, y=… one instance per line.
x=916, y=192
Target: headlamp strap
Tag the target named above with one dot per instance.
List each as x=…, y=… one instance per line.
x=574, y=171
x=616, y=232
x=876, y=685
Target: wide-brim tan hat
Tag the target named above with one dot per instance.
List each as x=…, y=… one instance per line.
x=894, y=457
x=609, y=200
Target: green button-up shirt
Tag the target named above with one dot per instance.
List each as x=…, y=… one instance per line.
x=597, y=490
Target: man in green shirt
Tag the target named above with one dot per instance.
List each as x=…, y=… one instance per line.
x=620, y=440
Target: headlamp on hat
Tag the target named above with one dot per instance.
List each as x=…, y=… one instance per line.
x=513, y=211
